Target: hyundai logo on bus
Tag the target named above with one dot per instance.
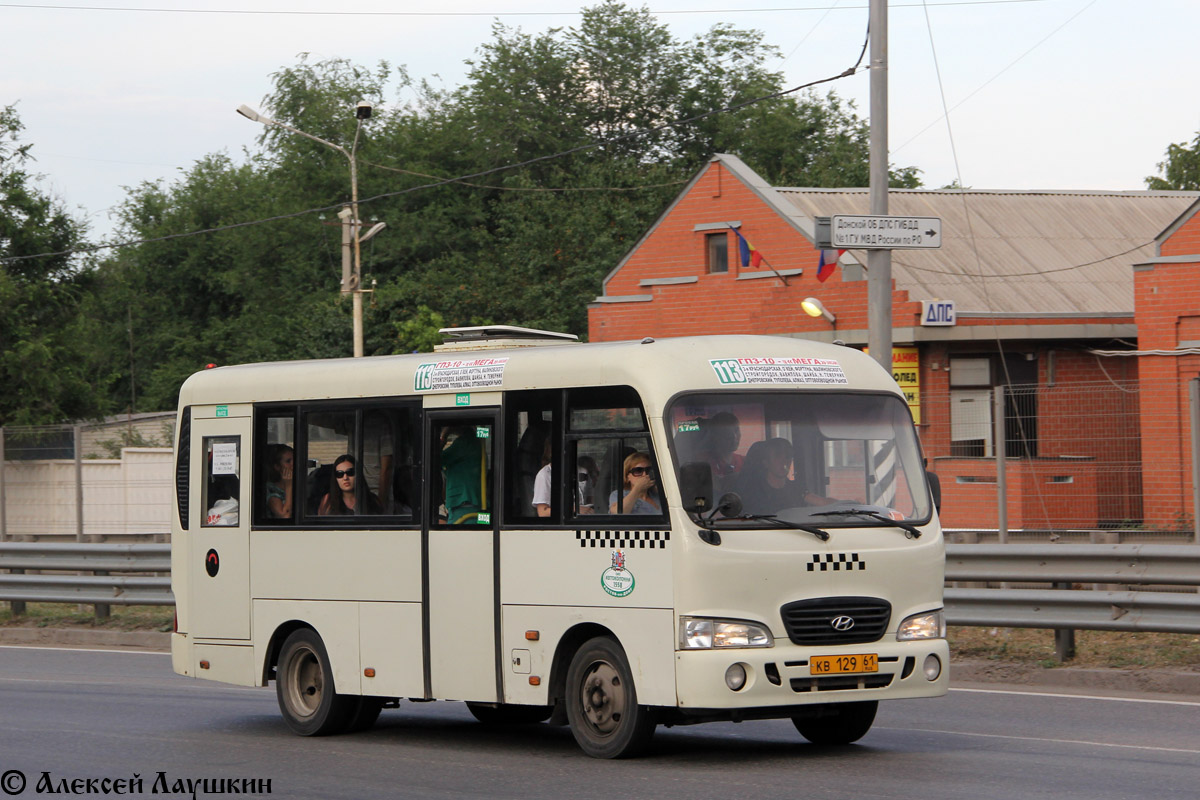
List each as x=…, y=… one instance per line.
x=842, y=623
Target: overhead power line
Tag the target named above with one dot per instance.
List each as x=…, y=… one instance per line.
x=527, y=188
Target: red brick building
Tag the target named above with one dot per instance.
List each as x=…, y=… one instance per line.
x=1085, y=305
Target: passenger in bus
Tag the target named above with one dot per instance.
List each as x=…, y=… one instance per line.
x=638, y=494
x=377, y=455
x=765, y=483
x=281, y=462
x=342, y=498
x=462, y=467
x=586, y=486
x=541, y=483
x=722, y=435
x=589, y=475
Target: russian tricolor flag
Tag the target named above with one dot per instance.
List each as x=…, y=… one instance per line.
x=825, y=267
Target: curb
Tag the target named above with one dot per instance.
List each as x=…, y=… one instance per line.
x=52, y=637
x=1155, y=681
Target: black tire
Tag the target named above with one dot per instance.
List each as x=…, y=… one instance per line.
x=509, y=714
x=304, y=687
x=836, y=723
x=365, y=713
x=602, y=705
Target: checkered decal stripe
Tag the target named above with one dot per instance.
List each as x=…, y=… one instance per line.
x=838, y=562
x=625, y=540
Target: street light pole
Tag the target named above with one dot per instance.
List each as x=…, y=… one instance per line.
x=350, y=283
x=879, y=262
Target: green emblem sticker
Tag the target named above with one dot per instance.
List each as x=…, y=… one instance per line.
x=483, y=518
x=222, y=411
x=617, y=580
x=462, y=399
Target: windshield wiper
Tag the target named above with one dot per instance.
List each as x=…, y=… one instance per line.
x=908, y=528
x=782, y=523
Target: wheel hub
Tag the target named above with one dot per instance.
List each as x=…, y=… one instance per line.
x=603, y=697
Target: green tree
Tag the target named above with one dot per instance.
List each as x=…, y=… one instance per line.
x=42, y=379
x=524, y=246
x=1180, y=169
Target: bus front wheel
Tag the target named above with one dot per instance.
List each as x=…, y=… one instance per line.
x=602, y=705
x=836, y=723
x=304, y=686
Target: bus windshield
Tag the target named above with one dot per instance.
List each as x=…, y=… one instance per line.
x=802, y=457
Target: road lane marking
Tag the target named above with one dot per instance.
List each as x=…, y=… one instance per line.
x=1083, y=697
x=83, y=650
x=1043, y=740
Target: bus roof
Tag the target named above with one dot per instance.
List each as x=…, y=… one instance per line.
x=657, y=368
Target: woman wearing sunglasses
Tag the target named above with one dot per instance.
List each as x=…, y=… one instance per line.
x=639, y=495
x=342, y=498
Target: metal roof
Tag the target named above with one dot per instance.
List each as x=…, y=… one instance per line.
x=1017, y=252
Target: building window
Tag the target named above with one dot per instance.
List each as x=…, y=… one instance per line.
x=972, y=381
x=716, y=248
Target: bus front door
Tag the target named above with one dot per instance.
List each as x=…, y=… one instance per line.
x=462, y=534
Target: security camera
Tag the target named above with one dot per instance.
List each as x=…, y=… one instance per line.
x=363, y=111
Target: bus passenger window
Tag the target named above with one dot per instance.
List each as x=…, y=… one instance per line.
x=462, y=471
x=222, y=480
x=330, y=434
x=388, y=466
x=609, y=455
x=532, y=460
x=276, y=492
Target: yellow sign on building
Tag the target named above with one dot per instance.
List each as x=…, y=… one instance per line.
x=906, y=370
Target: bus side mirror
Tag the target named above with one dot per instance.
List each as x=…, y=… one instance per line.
x=935, y=489
x=696, y=486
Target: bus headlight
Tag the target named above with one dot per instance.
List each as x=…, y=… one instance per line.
x=929, y=625
x=699, y=633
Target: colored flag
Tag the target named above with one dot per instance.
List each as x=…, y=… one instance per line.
x=750, y=256
x=826, y=268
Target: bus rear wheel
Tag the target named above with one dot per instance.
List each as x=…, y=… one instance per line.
x=602, y=703
x=836, y=723
x=509, y=714
x=304, y=687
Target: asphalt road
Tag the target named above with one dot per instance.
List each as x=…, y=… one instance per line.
x=80, y=715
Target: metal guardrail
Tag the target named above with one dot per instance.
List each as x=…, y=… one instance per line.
x=99, y=588
x=1109, y=608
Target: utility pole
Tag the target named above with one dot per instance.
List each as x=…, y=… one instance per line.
x=879, y=262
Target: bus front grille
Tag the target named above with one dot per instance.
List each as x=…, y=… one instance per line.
x=832, y=683
x=823, y=621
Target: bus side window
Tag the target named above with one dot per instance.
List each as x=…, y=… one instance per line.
x=607, y=433
x=222, y=480
x=278, y=470
x=328, y=436
x=533, y=459
x=389, y=466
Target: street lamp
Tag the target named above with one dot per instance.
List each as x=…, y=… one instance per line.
x=815, y=308
x=351, y=279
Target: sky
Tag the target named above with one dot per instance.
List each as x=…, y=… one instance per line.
x=1043, y=94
